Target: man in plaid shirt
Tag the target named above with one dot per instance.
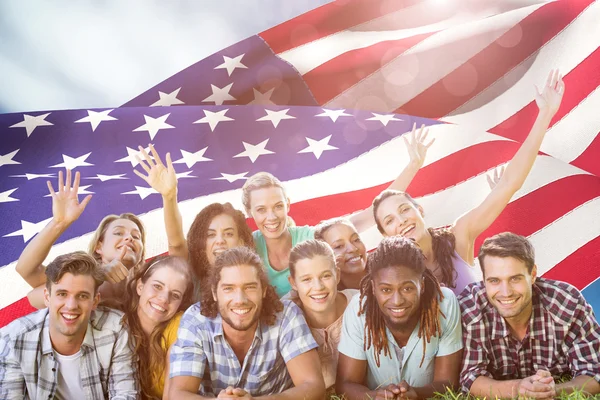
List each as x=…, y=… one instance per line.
x=71, y=349
x=521, y=331
x=242, y=341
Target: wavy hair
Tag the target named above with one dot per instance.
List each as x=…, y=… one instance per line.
x=149, y=350
x=237, y=256
x=103, y=227
x=398, y=251
x=442, y=239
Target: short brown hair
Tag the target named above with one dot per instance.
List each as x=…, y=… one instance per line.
x=310, y=249
x=508, y=244
x=384, y=195
x=76, y=263
x=236, y=256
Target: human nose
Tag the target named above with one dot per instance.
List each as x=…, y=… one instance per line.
x=239, y=296
x=220, y=238
x=317, y=284
x=397, y=298
x=505, y=289
x=71, y=302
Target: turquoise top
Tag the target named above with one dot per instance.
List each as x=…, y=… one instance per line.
x=279, y=279
x=402, y=364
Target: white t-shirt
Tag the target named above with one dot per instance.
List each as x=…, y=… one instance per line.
x=69, y=377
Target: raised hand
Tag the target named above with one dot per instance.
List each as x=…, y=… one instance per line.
x=115, y=271
x=416, y=146
x=66, y=207
x=549, y=98
x=493, y=180
x=160, y=178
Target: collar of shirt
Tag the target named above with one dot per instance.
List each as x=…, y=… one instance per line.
x=88, y=340
x=259, y=332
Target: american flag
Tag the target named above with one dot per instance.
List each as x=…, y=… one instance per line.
x=321, y=102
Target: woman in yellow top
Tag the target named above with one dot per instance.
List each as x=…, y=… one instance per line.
x=155, y=299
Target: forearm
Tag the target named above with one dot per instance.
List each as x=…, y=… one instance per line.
x=518, y=168
x=582, y=382
x=29, y=265
x=488, y=387
x=354, y=391
x=304, y=391
x=174, y=226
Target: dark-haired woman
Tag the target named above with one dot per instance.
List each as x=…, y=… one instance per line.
x=449, y=252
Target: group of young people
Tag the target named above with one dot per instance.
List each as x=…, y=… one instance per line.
x=296, y=312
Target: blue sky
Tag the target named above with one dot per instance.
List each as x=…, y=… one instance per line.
x=92, y=53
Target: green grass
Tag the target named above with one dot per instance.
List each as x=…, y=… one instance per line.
x=452, y=395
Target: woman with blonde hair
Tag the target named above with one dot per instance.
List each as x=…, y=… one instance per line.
x=265, y=200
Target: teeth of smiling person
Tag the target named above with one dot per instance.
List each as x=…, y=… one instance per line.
x=70, y=316
x=405, y=230
x=157, y=307
x=507, y=301
x=398, y=310
x=354, y=259
x=319, y=297
x=272, y=227
x=241, y=311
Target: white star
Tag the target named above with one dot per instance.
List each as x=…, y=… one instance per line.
x=80, y=190
x=7, y=159
x=95, y=117
x=383, y=118
x=5, y=196
x=184, y=175
x=167, y=99
x=220, y=95
x=231, y=177
x=131, y=153
x=276, y=116
x=317, y=147
x=29, y=230
x=254, y=151
x=213, y=118
x=143, y=192
x=31, y=122
x=190, y=159
x=104, y=178
x=333, y=114
x=263, y=98
x=33, y=176
x=72, y=163
x=153, y=125
x=231, y=64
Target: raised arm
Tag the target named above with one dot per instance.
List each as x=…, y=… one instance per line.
x=66, y=208
x=470, y=225
x=417, y=150
x=164, y=181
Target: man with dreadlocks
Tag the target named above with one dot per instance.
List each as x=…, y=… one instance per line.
x=402, y=337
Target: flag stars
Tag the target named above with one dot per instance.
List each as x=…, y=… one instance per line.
x=141, y=191
x=190, y=159
x=220, y=95
x=167, y=99
x=7, y=159
x=383, y=118
x=153, y=125
x=317, y=147
x=31, y=122
x=333, y=114
x=276, y=116
x=230, y=64
x=29, y=229
x=254, y=151
x=231, y=177
x=213, y=118
x=131, y=156
x=263, y=99
x=96, y=117
x=72, y=163
x=5, y=196
x=104, y=178
x=33, y=176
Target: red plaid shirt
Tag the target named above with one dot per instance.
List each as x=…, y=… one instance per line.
x=563, y=336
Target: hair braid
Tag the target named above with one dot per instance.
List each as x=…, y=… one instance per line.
x=430, y=310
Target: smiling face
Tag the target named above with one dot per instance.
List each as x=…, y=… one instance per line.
x=70, y=303
x=222, y=234
x=160, y=295
x=316, y=279
x=121, y=232
x=239, y=295
x=398, y=293
x=350, y=252
x=508, y=284
x=399, y=216
x=269, y=207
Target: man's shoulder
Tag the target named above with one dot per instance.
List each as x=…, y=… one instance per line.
x=26, y=325
x=561, y=299
x=472, y=301
x=193, y=320
x=107, y=319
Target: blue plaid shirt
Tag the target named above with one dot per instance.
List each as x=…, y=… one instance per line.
x=201, y=350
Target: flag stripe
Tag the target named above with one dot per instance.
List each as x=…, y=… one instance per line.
x=580, y=267
x=588, y=161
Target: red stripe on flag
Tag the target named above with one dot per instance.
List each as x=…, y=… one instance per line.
x=493, y=62
x=579, y=83
x=525, y=216
x=14, y=311
x=327, y=20
x=588, y=160
x=341, y=73
x=580, y=268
